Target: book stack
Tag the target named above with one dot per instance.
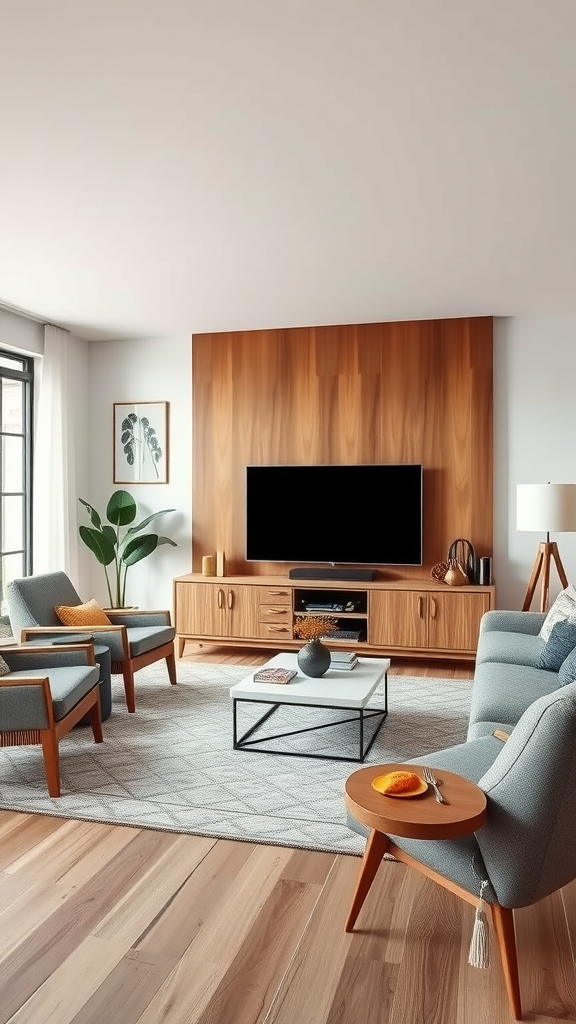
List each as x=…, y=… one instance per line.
x=343, y=660
x=274, y=675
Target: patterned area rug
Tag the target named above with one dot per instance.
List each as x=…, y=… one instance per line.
x=171, y=766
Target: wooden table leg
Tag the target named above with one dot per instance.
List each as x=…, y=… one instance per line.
x=376, y=847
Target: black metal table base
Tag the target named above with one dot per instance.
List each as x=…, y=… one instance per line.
x=361, y=715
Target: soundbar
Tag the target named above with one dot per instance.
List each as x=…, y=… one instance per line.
x=332, y=574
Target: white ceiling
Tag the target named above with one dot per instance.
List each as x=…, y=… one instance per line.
x=172, y=166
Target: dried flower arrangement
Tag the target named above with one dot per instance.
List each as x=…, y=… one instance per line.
x=312, y=627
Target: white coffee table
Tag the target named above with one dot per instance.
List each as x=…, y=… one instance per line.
x=337, y=690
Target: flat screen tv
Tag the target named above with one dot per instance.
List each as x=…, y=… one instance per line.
x=356, y=515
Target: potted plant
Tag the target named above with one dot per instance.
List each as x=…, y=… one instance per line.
x=314, y=659
x=118, y=543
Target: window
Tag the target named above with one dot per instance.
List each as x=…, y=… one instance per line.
x=16, y=377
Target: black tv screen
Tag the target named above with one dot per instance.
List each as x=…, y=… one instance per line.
x=359, y=515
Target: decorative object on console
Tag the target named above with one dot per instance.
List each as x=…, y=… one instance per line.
x=455, y=575
x=314, y=658
x=463, y=552
x=485, y=571
x=220, y=563
x=141, y=442
x=208, y=567
x=110, y=547
x=545, y=508
x=460, y=565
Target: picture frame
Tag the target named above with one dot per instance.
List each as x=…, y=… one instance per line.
x=140, y=442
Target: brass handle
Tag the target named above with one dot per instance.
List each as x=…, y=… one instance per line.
x=277, y=611
x=220, y=597
x=278, y=629
x=230, y=598
x=278, y=593
x=434, y=604
x=421, y=607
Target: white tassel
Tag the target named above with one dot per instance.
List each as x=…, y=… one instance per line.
x=479, y=955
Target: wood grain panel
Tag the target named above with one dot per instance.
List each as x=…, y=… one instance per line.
x=418, y=391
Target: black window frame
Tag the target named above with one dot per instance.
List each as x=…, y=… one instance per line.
x=26, y=376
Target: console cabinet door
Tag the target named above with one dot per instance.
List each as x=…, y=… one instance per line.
x=242, y=603
x=454, y=619
x=397, y=618
x=217, y=609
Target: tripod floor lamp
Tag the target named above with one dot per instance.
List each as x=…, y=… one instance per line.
x=545, y=508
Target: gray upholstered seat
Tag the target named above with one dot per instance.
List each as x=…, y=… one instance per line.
x=47, y=692
x=531, y=792
x=136, y=638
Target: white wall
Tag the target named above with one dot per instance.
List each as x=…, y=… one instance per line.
x=153, y=370
x=534, y=439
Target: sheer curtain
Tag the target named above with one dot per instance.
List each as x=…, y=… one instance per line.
x=55, y=526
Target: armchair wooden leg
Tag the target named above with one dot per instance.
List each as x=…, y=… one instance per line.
x=96, y=721
x=128, y=673
x=376, y=847
x=51, y=761
x=171, y=665
x=503, y=919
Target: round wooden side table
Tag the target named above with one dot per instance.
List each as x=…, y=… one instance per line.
x=417, y=817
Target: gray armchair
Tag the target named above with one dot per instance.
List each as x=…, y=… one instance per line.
x=136, y=638
x=527, y=848
x=45, y=694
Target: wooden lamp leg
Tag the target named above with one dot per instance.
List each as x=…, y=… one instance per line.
x=547, y=550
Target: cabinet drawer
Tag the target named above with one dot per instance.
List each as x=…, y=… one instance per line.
x=275, y=595
x=275, y=631
x=275, y=613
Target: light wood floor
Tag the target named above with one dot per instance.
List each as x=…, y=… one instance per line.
x=103, y=924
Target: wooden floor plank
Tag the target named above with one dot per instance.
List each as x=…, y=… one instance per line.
x=254, y=975
x=171, y=933
x=310, y=985
x=427, y=984
x=34, y=960
x=126, y=992
x=65, y=991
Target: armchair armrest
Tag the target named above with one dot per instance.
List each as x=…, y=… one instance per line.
x=114, y=637
x=139, y=616
x=36, y=656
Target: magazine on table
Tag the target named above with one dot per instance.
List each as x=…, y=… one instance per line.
x=274, y=675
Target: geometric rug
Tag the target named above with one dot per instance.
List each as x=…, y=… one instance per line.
x=171, y=766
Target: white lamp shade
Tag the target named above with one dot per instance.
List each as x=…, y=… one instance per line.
x=546, y=508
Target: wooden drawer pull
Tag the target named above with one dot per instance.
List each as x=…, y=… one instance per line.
x=434, y=604
x=220, y=597
x=421, y=607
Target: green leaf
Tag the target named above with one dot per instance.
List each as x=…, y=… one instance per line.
x=139, y=547
x=166, y=540
x=94, y=516
x=136, y=529
x=121, y=509
x=99, y=544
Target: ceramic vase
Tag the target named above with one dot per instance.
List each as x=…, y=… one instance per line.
x=313, y=659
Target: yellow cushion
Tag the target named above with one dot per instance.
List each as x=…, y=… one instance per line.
x=89, y=614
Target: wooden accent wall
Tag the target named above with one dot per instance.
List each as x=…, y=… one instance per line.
x=418, y=391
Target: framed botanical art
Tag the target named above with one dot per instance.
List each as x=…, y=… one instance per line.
x=140, y=442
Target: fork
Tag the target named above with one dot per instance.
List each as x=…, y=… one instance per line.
x=430, y=778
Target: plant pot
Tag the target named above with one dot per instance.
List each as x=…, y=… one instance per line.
x=313, y=659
